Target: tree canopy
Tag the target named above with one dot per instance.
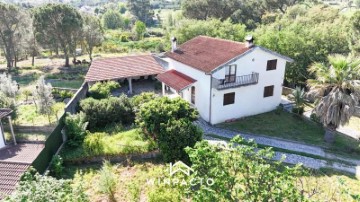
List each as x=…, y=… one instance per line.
x=58, y=25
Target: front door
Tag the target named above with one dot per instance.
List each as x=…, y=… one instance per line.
x=193, y=94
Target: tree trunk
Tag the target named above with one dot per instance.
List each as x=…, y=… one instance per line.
x=33, y=60
x=67, y=61
x=329, y=136
x=90, y=54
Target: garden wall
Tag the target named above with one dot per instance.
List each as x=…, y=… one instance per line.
x=56, y=139
x=79, y=95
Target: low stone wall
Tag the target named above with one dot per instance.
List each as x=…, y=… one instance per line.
x=286, y=91
x=79, y=95
x=119, y=158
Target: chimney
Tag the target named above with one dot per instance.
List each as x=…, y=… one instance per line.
x=249, y=41
x=173, y=44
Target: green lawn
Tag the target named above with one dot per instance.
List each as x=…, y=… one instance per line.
x=20, y=136
x=292, y=127
x=28, y=116
x=112, y=144
x=75, y=84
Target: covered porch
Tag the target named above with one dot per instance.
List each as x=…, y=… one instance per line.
x=134, y=73
x=177, y=84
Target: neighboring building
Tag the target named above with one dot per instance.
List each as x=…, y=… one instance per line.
x=224, y=79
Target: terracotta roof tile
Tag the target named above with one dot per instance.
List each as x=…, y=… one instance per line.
x=123, y=67
x=207, y=53
x=175, y=79
x=14, y=161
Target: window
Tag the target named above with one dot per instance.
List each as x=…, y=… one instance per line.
x=268, y=91
x=271, y=65
x=229, y=98
x=193, y=94
x=230, y=73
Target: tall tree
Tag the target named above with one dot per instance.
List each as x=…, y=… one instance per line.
x=338, y=88
x=141, y=9
x=280, y=5
x=112, y=20
x=140, y=29
x=93, y=33
x=13, y=23
x=58, y=24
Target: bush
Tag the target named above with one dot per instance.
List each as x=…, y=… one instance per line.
x=66, y=94
x=107, y=181
x=45, y=188
x=75, y=128
x=315, y=118
x=175, y=136
x=99, y=113
x=103, y=90
x=139, y=100
x=56, y=166
x=161, y=110
x=93, y=143
x=298, y=110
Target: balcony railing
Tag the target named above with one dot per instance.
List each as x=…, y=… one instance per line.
x=244, y=80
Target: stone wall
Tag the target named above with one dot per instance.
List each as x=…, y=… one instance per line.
x=286, y=91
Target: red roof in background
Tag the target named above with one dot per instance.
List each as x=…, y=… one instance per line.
x=175, y=79
x=123, y=67
x=207, y=53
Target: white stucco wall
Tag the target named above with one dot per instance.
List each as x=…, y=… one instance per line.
x=2, y=141
x=249, y=100
x=202, y=87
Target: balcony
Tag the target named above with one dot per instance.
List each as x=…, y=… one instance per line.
x=244, y=80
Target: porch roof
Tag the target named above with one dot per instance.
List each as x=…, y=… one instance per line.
x=123, y=67
x=4, y=112
x=176, y=80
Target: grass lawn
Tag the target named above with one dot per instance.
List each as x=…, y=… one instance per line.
x=20, y=136
x=112, y=144
x=28, y=116
x=289, y=126
x=132, y=184
x=75, y=84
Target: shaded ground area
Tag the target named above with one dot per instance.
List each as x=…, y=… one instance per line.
x=14, y=161
x=139, y=86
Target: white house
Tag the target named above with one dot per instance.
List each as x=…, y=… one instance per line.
x=224, y=79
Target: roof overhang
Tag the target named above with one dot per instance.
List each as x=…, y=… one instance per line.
x=250, y=51
x=176, y=80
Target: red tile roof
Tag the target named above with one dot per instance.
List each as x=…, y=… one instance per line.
x=207, y=53
x=175, y=79
x=4, y=112
x=14, y=161
x=123, y=67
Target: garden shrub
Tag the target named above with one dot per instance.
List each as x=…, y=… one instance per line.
x=35, y=187
x=175, y=136
x=139, y=100
x=75, y=128
x=298, y=110
x=56, y=166
x=107, y=181
x=99, y=113
x=93, y=143
x=161, y=110
x=315, y=118
x=102, y=90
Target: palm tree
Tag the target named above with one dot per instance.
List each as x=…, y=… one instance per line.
x=298, y=96
x=337, y=88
